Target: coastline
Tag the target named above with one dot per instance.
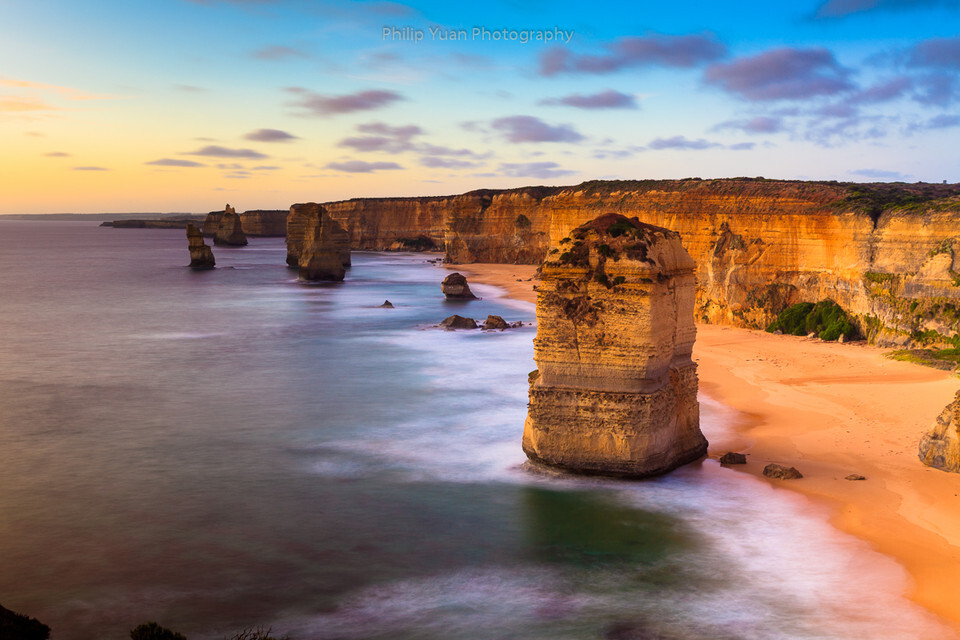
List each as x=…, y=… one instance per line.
x=831, y=410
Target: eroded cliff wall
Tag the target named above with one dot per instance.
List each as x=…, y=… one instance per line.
x=885, y=252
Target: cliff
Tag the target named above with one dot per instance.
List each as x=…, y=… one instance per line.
x=201, y=256
x=300, y=223
x=940, y=448
x=323, y=249
x=256, y=222
x=162, y=223
x=615, y=391
x=885, y=252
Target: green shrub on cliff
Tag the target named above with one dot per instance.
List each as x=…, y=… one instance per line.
x=153, y=631
x=826, y=318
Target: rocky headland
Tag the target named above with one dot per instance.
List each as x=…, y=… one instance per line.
x=201, y=256
x=615, y=391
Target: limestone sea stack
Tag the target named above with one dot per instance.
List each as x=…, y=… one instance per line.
x=940, y=448
x=321, y=254
x=615, y=391
x=229, y=230
x=297, y=220
x=455, y=287
x=201, y=256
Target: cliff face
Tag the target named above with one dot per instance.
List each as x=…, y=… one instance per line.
x=323, y=251
x=941, y=447
x=883, y=252
x=229, y=230
x=615, y=390
x=256, y=222
x=300, y=223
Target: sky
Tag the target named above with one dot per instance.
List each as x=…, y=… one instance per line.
x=184, y=105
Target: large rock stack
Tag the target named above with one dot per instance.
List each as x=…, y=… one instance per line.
x=201, y=256
x=616, y=389
x=940, y=448
x=302, y=215
x=324, y=243
x=229, y=230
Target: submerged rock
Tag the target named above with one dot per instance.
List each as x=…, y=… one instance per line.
x=455, y=287
x=321, y=256
x=733, y=458
x=201, y=256
x=496, y=322
x=780, y=472
x=230, y=230
x=940, y=448
x=386, y=305
x=458, y=322
x=616, y=391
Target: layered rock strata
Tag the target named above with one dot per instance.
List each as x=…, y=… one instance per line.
x=615, y=391
x=455, y=287
x=230, y=230
x=321, y=256
x=300, y=218
x=940, y=448
x=201, y=256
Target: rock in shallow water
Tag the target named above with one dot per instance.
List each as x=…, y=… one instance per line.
x=455, y=287
x=495, y=322
x=201, y=256
x=386, y=305
x=733, y=458
x=459, y=322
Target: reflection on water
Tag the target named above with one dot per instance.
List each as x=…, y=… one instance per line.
x=224, y=449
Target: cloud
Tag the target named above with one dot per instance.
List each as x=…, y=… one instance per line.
x=781, y=74
x=217, y=151
x=530, y=129
x=68, y=93
x=841, y=8
x=880, y=174
x=759, y=124
x=742, y=146
x=883, y=92
x=635, y=51
x=358, y=166
x=448, y=163
x=265, y=167
x=938, y=53
x=939, y=89
x=681, y=142
x=24, y=104
x=279, y=52
x=386, y=138
x=90, y=169
x=171, y=162
x=542, y=170
x=270, y=135
x=943, y=121
x=321, y=105
x=189, y=88
x=608, y=99
x=58, y=154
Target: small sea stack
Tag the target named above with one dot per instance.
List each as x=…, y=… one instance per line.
x=615, y=391
x=201, y=256
x=298, y=218
x=940, y=447
x=321, y=255
x=455, y=287
x=229, y=230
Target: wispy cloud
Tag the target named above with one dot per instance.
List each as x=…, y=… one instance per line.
x=759, y=124
x=58, y=154
x=842, y=8
x=682, y=143
x=359, y=166
x=880, y=174
x=217, y=151
x=279, y=52
x=90, y=169
x=270, y=135
x=530, y=129
x=435, y=162
x=542, y=170
x=317, y=104
x=173, y=162
x=608, y=99
x=781, y=74
x=635, y=51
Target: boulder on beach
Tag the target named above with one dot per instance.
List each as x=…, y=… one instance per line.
x=455, y=287
x=201, y=256
x=495, y=322
x=780, y=472
x=733, y=458
x=458, y=322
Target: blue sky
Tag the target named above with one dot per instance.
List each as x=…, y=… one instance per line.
x=184, y=104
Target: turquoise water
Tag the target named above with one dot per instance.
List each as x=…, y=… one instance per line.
x=225, y=449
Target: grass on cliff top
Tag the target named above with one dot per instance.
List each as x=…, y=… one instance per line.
x=826, y=318
x=945, y=359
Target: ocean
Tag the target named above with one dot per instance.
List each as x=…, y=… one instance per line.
x=228, y=449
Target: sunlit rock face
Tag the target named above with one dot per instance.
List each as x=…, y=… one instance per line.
x=229, y=229
x=615, y=391
x=201, y=256
x=302, y=218
x=940, y=448
x=323, y=244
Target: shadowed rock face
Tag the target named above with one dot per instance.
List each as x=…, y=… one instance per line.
x=300, y=217
x=455, y=287
x=323, y=246
x=229, y=230
x=616, y=389
x=940, y=448
x=201, y=256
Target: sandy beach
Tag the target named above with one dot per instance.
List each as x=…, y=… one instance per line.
x=831, y=410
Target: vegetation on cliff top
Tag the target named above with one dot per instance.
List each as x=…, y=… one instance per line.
x=826, y=318
x=15, y=626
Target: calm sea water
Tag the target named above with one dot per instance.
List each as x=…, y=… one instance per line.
x=225, y=449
